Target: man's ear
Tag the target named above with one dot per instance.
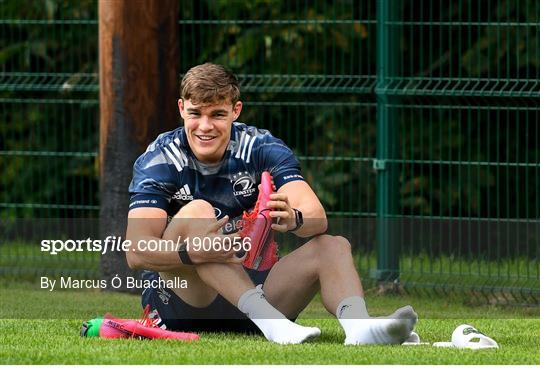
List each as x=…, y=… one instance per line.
x=237, y=109
x=181, y=107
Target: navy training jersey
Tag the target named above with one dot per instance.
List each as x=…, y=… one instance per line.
x=168, y=175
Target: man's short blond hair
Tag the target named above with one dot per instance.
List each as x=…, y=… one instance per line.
x=209, y=83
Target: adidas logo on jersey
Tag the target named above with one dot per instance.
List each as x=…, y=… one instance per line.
x=183, y=194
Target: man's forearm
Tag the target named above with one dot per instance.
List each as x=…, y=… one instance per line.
x=164, y=258
x=312, y=227
x=315, y=222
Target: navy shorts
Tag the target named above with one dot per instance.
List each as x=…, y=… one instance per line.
x=177, y=315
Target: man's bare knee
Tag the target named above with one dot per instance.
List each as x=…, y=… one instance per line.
x=338, y=239
x=331, y=246
x=198, y=208
x=331, y=240
x=182, y=225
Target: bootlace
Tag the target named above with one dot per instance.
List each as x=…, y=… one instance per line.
x=249, y=217
x=146, y=320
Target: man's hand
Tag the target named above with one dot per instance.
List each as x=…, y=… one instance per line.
x=220, y=250
x=282, y=211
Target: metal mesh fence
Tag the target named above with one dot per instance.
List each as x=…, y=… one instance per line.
x=420, y=113
x=48, y=127
x=464, y=89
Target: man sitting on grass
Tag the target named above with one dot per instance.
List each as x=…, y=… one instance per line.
x=205, y=174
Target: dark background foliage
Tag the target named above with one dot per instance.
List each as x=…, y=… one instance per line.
x=464, y=93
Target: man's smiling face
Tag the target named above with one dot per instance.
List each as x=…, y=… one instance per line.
x=208, y=127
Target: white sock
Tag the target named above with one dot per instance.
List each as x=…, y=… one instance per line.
x=273, y=324
x=352, y=307
x=360, y=329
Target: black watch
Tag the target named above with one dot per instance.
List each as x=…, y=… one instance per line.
x=299, y=219
x=183, y=253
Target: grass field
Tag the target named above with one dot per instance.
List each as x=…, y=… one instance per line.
x=30, y=335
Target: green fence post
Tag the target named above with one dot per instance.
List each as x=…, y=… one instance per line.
x=387, y=145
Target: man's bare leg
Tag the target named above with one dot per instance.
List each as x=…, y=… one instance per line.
x=326, y=262
x=204, y=280
x=230, y=280
x=322, y=263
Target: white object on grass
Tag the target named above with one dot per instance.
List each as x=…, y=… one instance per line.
x=414, y=340
x=468, y=337
x=444, y=344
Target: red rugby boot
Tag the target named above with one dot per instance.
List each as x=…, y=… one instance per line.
x=256, y=225
x=146, y=328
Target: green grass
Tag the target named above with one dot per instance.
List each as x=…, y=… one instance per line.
x=30, y=335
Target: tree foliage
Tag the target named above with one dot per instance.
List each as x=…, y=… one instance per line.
x=308, y=71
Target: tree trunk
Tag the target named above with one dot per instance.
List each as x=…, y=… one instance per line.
x=138, y=79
